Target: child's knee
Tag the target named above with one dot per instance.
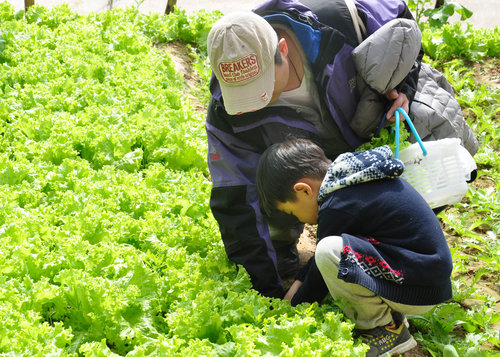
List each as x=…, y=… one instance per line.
x=328, y=251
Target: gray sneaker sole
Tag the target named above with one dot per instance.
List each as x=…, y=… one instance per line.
x=402, y=348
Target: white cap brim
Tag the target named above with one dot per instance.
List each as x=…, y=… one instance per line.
x=250, y=97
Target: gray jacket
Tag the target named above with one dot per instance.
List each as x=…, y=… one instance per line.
x=383, y=60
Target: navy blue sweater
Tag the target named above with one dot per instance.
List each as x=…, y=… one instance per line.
x=393, y=244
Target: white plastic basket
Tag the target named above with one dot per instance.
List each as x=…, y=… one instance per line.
x=439, y=170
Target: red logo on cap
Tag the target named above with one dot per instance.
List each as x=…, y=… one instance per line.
x=241, y=70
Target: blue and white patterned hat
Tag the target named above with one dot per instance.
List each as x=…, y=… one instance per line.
x=352, y=168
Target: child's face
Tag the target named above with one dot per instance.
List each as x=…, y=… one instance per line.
x=305, y=208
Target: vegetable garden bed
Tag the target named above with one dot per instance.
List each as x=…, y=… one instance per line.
x=108, y=245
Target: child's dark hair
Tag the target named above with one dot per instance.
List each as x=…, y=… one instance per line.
x=282, y=165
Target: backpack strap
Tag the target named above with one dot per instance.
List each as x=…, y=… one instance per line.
x=341, y=15
x=359, y=25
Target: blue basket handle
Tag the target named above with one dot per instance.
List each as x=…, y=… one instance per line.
x=412, y=128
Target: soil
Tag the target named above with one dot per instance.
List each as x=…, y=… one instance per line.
x=179, y=53
x=486, y=72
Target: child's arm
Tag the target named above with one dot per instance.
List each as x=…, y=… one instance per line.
x=309, y=285
x=293, y=289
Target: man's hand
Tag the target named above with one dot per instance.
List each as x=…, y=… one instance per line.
x=400, y=100
x=293, y=289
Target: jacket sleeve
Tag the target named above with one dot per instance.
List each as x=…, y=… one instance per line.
x=234, y=204
x=409, y=85
x=376, y=14
x=239, y=227
x=385, y=58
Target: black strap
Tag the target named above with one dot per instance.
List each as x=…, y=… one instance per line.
x=335, y=14
x=339, y=30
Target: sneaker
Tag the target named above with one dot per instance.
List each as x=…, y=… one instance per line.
x=387, y=340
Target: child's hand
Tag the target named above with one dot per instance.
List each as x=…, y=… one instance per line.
x=400, y=100
x=293, y=289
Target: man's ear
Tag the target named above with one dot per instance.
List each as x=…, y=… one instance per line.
x=283, y=47
x=302, y=187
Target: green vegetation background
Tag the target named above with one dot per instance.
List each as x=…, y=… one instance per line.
x=108, y=245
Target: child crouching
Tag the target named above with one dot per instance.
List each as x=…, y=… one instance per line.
x=381, y=250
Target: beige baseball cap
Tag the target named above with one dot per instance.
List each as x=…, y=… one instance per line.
x=241, y=49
